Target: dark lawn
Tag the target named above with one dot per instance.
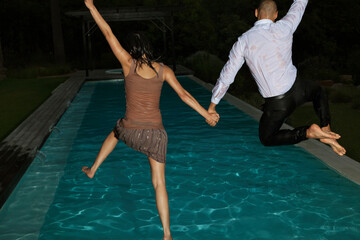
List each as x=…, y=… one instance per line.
x=345, y=121
x=20, y=97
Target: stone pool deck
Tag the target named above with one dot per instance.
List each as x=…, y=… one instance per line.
x=344, y=165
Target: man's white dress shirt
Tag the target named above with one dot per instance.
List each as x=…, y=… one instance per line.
x=267, y=50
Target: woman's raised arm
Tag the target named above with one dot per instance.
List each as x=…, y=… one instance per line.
x=120, y=53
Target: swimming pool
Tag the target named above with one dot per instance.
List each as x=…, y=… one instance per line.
x=222, y=183
x=114, y=71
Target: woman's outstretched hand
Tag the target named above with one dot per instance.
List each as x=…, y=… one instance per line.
x=213, y=119
x=89, y=3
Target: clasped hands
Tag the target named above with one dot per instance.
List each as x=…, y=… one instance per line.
x=214, y=116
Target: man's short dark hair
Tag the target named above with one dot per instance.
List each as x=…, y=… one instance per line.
x=267, y=6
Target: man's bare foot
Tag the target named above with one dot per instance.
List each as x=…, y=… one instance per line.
x=314, y=131
x=334, y=145
x=326, y=128
x=88, y=172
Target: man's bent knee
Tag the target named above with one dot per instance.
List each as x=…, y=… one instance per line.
x=266, y=141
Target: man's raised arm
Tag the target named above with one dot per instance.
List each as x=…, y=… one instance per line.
x=294, y=15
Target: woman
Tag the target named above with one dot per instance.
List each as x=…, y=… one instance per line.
x=142, y=128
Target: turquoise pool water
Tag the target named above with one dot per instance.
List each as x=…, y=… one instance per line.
x=222, y=183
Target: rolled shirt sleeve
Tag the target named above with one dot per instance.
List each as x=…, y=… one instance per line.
x=229, y=71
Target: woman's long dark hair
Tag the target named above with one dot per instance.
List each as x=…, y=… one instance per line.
x=140, y=49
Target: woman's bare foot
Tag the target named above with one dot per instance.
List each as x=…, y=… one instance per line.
x=168, y=238
x=88, y=172
x=334, y=145
x=314, y=131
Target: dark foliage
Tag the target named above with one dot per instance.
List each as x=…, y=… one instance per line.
x=326, y=43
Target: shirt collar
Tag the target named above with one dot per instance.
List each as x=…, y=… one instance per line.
x=263, y=21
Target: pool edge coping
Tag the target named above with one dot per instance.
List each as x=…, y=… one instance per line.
x=19, y=148
x=343, y=165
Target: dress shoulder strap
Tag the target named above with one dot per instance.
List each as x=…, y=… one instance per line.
x=161, y=71
x=132, y=66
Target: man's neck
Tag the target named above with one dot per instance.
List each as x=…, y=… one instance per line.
x=262, y=18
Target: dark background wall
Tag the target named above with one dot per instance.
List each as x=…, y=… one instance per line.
x=326, y=43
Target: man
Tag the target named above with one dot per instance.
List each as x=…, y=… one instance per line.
x=267, y=50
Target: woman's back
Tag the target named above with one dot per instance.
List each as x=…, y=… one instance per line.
x=143, y=90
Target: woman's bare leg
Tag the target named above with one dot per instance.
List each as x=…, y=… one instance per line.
x=107, y=147
x=162, y=202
